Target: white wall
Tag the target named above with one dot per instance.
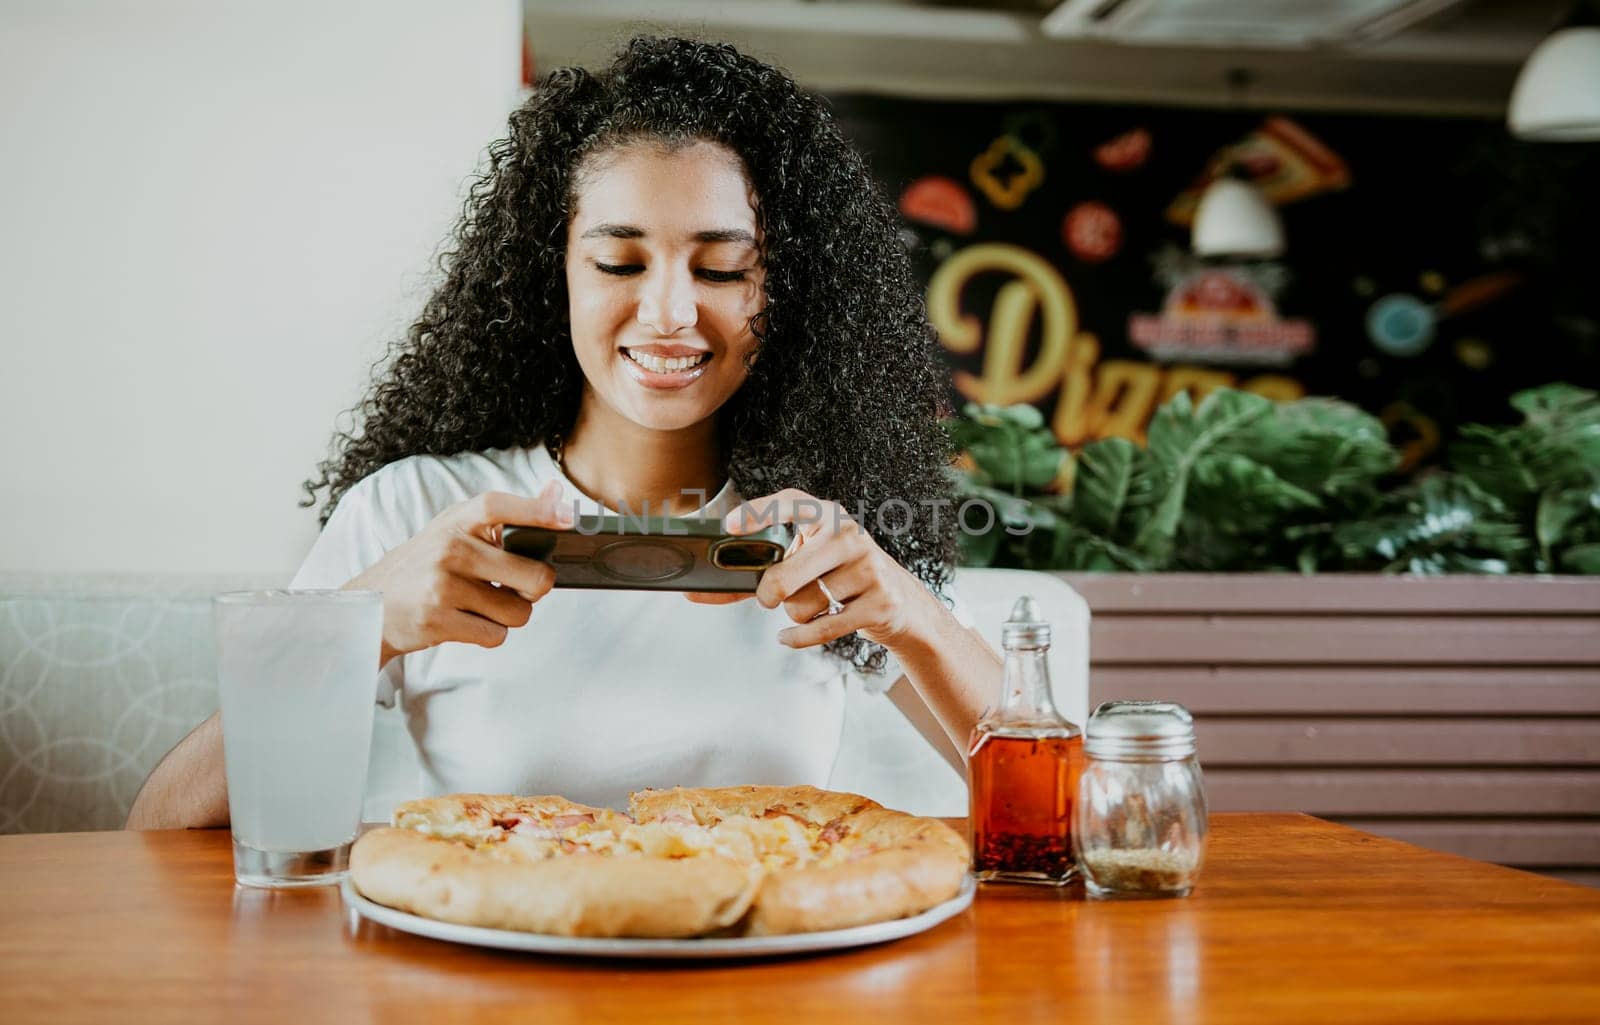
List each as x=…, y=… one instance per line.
x=213, y=217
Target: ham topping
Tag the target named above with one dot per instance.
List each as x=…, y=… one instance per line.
x=523, y=825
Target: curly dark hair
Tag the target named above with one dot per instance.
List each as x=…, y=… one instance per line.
x=844, y=402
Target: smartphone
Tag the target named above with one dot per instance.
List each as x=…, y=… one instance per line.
x=654, y=553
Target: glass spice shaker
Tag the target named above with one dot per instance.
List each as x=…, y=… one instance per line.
x=1140, y=820
x=1022, y=767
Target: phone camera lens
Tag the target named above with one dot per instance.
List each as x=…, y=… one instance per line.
x=746, y=555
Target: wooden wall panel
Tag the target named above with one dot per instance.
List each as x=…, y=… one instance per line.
x=1346, y=793
x=1399, y=741
x=1209, y=594
x=1344, y=640
x=1461, y=714
x=1361, y=690
x=1510, y=841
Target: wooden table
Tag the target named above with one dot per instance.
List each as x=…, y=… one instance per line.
x=1295, y=920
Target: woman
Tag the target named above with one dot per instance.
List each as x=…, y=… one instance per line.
x=677, y=285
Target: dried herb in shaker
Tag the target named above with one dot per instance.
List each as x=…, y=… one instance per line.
x=1140, y=868
x=1140, y=818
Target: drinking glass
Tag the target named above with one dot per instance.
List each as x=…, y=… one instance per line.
x=297, y=677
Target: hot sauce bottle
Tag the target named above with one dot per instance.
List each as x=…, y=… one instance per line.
x=1023, y=766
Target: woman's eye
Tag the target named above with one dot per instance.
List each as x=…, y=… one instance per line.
x=623, y=270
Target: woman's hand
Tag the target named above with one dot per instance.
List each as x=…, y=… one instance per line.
x=951, y=670
x=441, y=584
x=882, y=601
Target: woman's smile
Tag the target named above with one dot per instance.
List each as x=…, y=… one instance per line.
x=665, y=367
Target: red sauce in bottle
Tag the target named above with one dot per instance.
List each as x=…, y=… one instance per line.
x=1022, y=789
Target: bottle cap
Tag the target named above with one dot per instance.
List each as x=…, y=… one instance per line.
x=1156, y=730
x=1025, y=629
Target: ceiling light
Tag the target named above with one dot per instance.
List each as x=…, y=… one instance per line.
x=1235, y=219
x=1557, y=95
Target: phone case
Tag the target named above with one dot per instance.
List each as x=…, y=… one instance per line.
x=655, y=553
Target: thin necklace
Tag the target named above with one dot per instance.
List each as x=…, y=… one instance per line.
x=556, y=445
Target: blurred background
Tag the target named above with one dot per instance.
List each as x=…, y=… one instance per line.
x=221, y=214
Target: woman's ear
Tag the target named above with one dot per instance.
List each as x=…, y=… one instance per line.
x=761, y=323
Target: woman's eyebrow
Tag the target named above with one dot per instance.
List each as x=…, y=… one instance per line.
x=709, y=235
x=613, y=231
x=726, y=235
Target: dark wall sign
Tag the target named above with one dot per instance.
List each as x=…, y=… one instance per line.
x=1433, y=266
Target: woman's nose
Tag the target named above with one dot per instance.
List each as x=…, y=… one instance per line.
x=667, y=303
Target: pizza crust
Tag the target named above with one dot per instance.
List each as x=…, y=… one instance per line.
x=756, y=860
x=910, y=865
x=586, y=895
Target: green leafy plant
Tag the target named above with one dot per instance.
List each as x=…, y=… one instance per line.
x=1545, y=472
x=1239, y=483
x=1441, y=524
x=1011, y=461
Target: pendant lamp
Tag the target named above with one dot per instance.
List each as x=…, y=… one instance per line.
x=1557, y=95
x=1235, y=219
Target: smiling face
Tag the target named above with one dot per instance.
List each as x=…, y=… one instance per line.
x=664, y=274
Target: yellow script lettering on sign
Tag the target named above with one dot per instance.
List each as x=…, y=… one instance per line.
x=1036, y=290
x=1097, y=399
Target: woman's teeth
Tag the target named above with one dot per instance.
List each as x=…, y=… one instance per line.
x=659, y=365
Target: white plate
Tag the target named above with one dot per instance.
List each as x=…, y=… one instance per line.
x=584, y=946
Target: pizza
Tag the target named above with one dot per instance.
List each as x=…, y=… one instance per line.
x=731, y=861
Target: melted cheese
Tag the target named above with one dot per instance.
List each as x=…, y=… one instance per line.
x=769, y=843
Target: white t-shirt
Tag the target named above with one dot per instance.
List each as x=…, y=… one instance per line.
x=602, y=692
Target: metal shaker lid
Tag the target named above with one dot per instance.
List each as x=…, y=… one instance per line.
x=1025, y=629
x=1140, y=729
